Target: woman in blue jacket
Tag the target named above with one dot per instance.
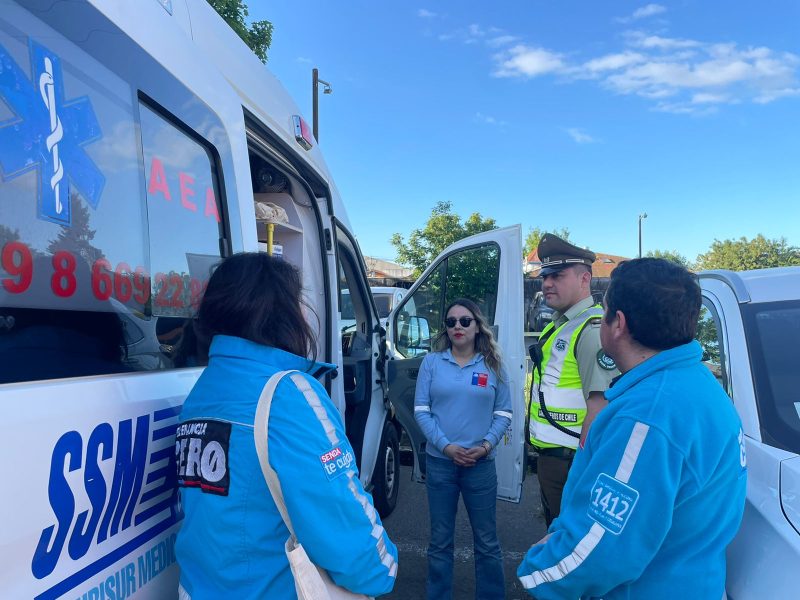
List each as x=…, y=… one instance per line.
x=463, y=406
x=231, y=543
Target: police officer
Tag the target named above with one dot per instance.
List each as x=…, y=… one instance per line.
x=573, y=372
x=658, y=491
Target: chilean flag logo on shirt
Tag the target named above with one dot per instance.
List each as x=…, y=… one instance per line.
x=480, y=379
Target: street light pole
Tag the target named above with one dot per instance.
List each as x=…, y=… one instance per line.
x=641, y=216
x=315, y=81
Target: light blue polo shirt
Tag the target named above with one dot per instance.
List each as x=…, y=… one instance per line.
x=460, y=405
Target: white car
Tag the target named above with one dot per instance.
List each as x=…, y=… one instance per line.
x=750, y=331
x=386, y=299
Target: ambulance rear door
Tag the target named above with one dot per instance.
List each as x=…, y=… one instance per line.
x=486, y=268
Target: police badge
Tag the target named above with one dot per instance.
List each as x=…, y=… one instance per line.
x=605, y=361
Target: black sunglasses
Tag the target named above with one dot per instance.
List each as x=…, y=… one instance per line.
x=450, y=322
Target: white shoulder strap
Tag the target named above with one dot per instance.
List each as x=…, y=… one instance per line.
x=261, y=435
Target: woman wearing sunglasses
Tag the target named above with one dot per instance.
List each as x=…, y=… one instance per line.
x=463, y=406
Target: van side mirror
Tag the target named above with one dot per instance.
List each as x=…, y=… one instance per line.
x=414, y=335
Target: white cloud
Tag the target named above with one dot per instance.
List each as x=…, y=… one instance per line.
x=580, y=136
x=425, y=14
x=494, y=37
x=706, y=98
x=695, y=76
x=527, y=61
x=683, y=108
x=475, y=30
x=303, y=59
x=768, y=97
x=649, y=10
x=501, y=40
x=612, y=62
x=489, y=120
x=639, y=39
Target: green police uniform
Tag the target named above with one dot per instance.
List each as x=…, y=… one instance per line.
x=573, y=366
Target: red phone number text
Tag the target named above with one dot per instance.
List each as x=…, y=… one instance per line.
x=122, y=282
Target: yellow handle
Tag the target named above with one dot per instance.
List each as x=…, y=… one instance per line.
x=270, y=231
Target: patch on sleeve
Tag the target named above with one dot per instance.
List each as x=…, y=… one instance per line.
x=337, y=461
x=201, y=454
x=605, y=361
x=480, y=379
x=612, y=503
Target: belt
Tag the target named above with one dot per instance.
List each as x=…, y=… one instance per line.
x=559, y=452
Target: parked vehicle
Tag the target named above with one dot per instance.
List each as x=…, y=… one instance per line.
x=386, y=299
x=138, y=143
x=749, y=330
x=539, y=314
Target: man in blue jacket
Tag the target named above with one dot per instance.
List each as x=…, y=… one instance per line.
x=657, y=492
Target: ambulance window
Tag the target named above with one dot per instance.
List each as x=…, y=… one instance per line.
x=185, y=229
x=73, y=230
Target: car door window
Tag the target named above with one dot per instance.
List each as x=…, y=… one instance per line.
x=469, y=273
x=709, y=334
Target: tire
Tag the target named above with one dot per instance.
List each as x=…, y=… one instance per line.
x=386, y=478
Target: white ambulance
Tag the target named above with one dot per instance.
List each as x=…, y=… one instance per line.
x=138, y=143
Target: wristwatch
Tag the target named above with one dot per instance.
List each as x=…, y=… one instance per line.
x=487, y=445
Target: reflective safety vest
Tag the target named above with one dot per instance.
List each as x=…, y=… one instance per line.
x=561, y=384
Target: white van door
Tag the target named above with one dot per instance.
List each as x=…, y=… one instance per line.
x=486, y=268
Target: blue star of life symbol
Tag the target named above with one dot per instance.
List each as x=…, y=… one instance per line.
x=48, y=133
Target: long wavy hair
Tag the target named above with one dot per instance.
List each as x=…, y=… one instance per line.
x=484, y=340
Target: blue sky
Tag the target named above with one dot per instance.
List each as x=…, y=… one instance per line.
x=555, y=114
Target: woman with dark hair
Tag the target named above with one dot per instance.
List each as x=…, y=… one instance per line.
x=463, y=406
x=231, y=543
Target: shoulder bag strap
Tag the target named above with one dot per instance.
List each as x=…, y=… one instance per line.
x=260, y=435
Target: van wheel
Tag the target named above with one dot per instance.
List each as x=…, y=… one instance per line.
x=386, y=478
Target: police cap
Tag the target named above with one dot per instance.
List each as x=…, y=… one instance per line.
x=557, y=254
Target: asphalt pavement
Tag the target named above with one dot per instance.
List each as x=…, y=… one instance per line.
x=518, y=526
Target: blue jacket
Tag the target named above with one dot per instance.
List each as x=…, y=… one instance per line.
x=460, y=405
x=231, y=542
x=656, y=494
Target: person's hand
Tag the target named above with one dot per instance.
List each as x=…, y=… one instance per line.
x=477, y=453
x=543, y=540
x=459, y=455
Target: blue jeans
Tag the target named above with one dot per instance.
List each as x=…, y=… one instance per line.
x=478, y=486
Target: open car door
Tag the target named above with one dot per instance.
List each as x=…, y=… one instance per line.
x=486, y=268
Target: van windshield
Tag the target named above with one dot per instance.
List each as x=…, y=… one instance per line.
x=384, y=304
x=348, y=312
x=772, y=331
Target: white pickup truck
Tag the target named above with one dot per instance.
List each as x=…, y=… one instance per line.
x=750, y=333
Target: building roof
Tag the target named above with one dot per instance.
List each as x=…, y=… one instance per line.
x=602, y=267
x=384, y=269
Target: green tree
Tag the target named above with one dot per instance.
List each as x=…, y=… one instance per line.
x=442, y=229
x=8, y=235
x=258, y=37
x=670, y=255
x=535, y=234
x=744, y=254
x=78, y=237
